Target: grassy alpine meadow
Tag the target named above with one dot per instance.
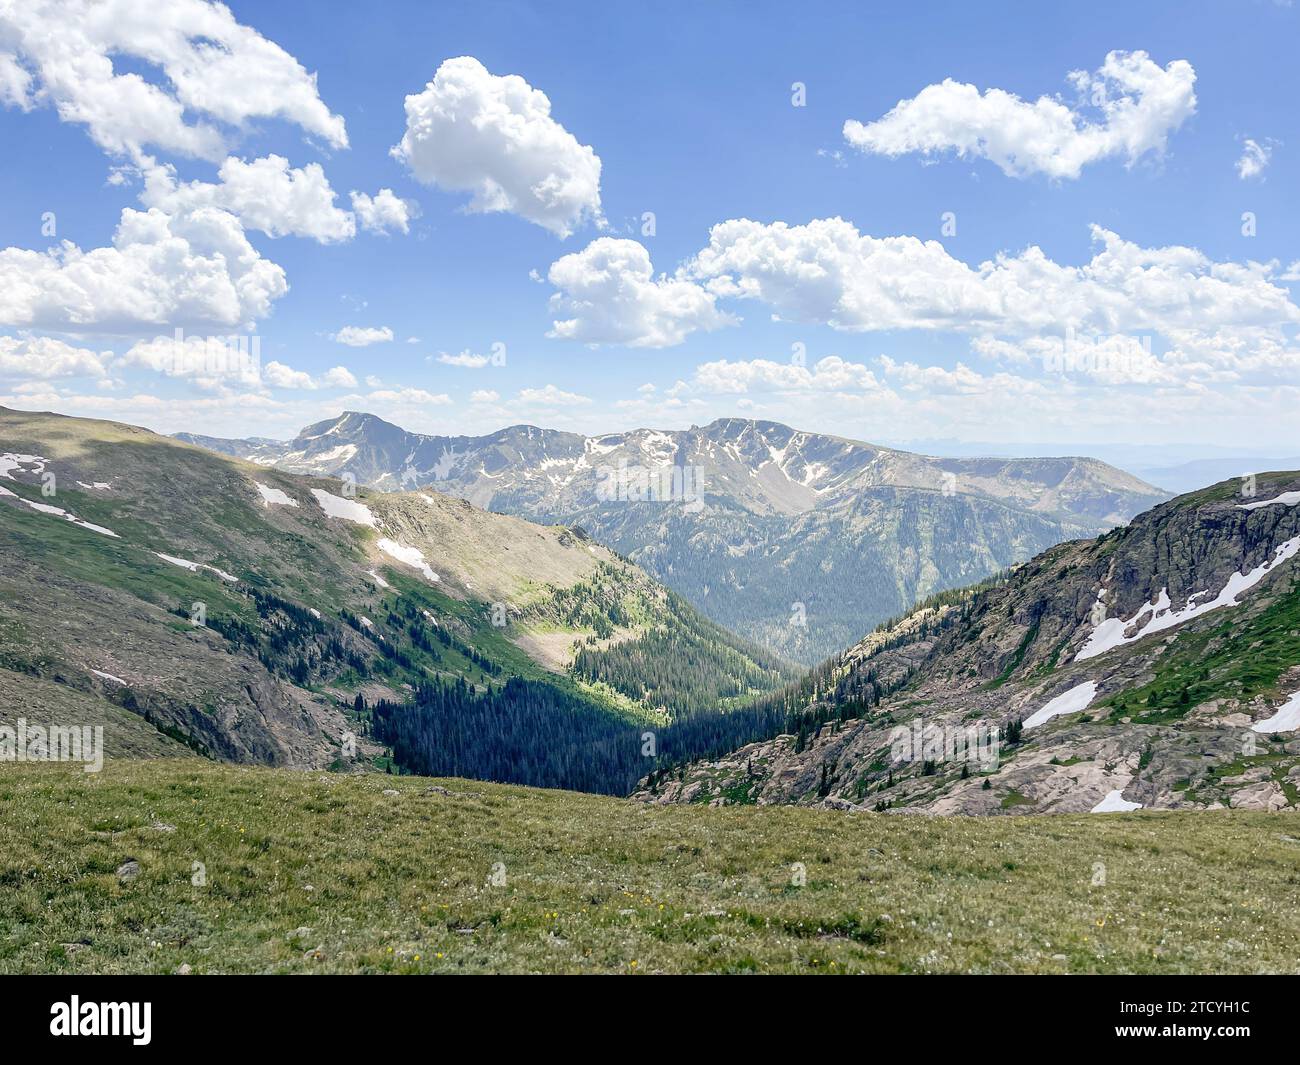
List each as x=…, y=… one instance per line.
x=164, y=866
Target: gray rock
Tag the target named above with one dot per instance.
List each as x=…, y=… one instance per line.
x=1265, y=795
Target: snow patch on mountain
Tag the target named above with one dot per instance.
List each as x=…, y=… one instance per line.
x=1068, y=702
x=1115, y=803
x=1287, y=499
x=194, y=567
x=413, y=557
x=10, y=461
x=1286, y=719
x=347, y=509
x=58, y=512
x=342, y=453
x=273, y=496
x=1158, y=616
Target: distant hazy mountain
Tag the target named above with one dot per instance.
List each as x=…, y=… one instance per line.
x=800, y=541
x=1189, y=476
x=1176, y=468
x=1155, y=666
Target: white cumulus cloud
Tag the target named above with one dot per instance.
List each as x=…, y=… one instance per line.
x=550, y=396
x=278, y=375
x=362, y=336
x=338, y=377
x=162, y=270
x=827, y=272
x=467, y=359
x=382, y=212
x=266, y=194
x=611, y=296
x=217, y=75
x=831, y=374
x=46, y=357
x=494, y=137
x=1137, y=102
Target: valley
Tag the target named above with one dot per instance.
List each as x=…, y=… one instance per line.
x=800, y=542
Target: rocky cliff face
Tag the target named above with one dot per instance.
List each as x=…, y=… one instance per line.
x=799, y=541
x=1155, y=666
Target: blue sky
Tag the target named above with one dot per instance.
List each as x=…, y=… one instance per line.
x=688, y=109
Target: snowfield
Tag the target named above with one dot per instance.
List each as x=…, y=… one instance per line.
x=58, y=512
x=347, y=509
x=194, y=567
x=274, y=497
x=1068, y=702
x=409, y=555
x=1286, y=719
x=1287, y=499
x=1115, y=803
x=10, y=461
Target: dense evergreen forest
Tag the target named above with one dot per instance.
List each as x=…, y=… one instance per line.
x=538, y=733
x=688, y=667
x=716, y=691
x=532, y=732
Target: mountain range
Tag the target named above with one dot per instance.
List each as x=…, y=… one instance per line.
x=199, y=603
x=801, y=542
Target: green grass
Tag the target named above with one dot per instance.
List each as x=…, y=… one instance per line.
x=401, y=883
x=1013, y=798
x=80, y=554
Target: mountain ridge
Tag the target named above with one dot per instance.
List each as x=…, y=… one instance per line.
x=767, y=529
